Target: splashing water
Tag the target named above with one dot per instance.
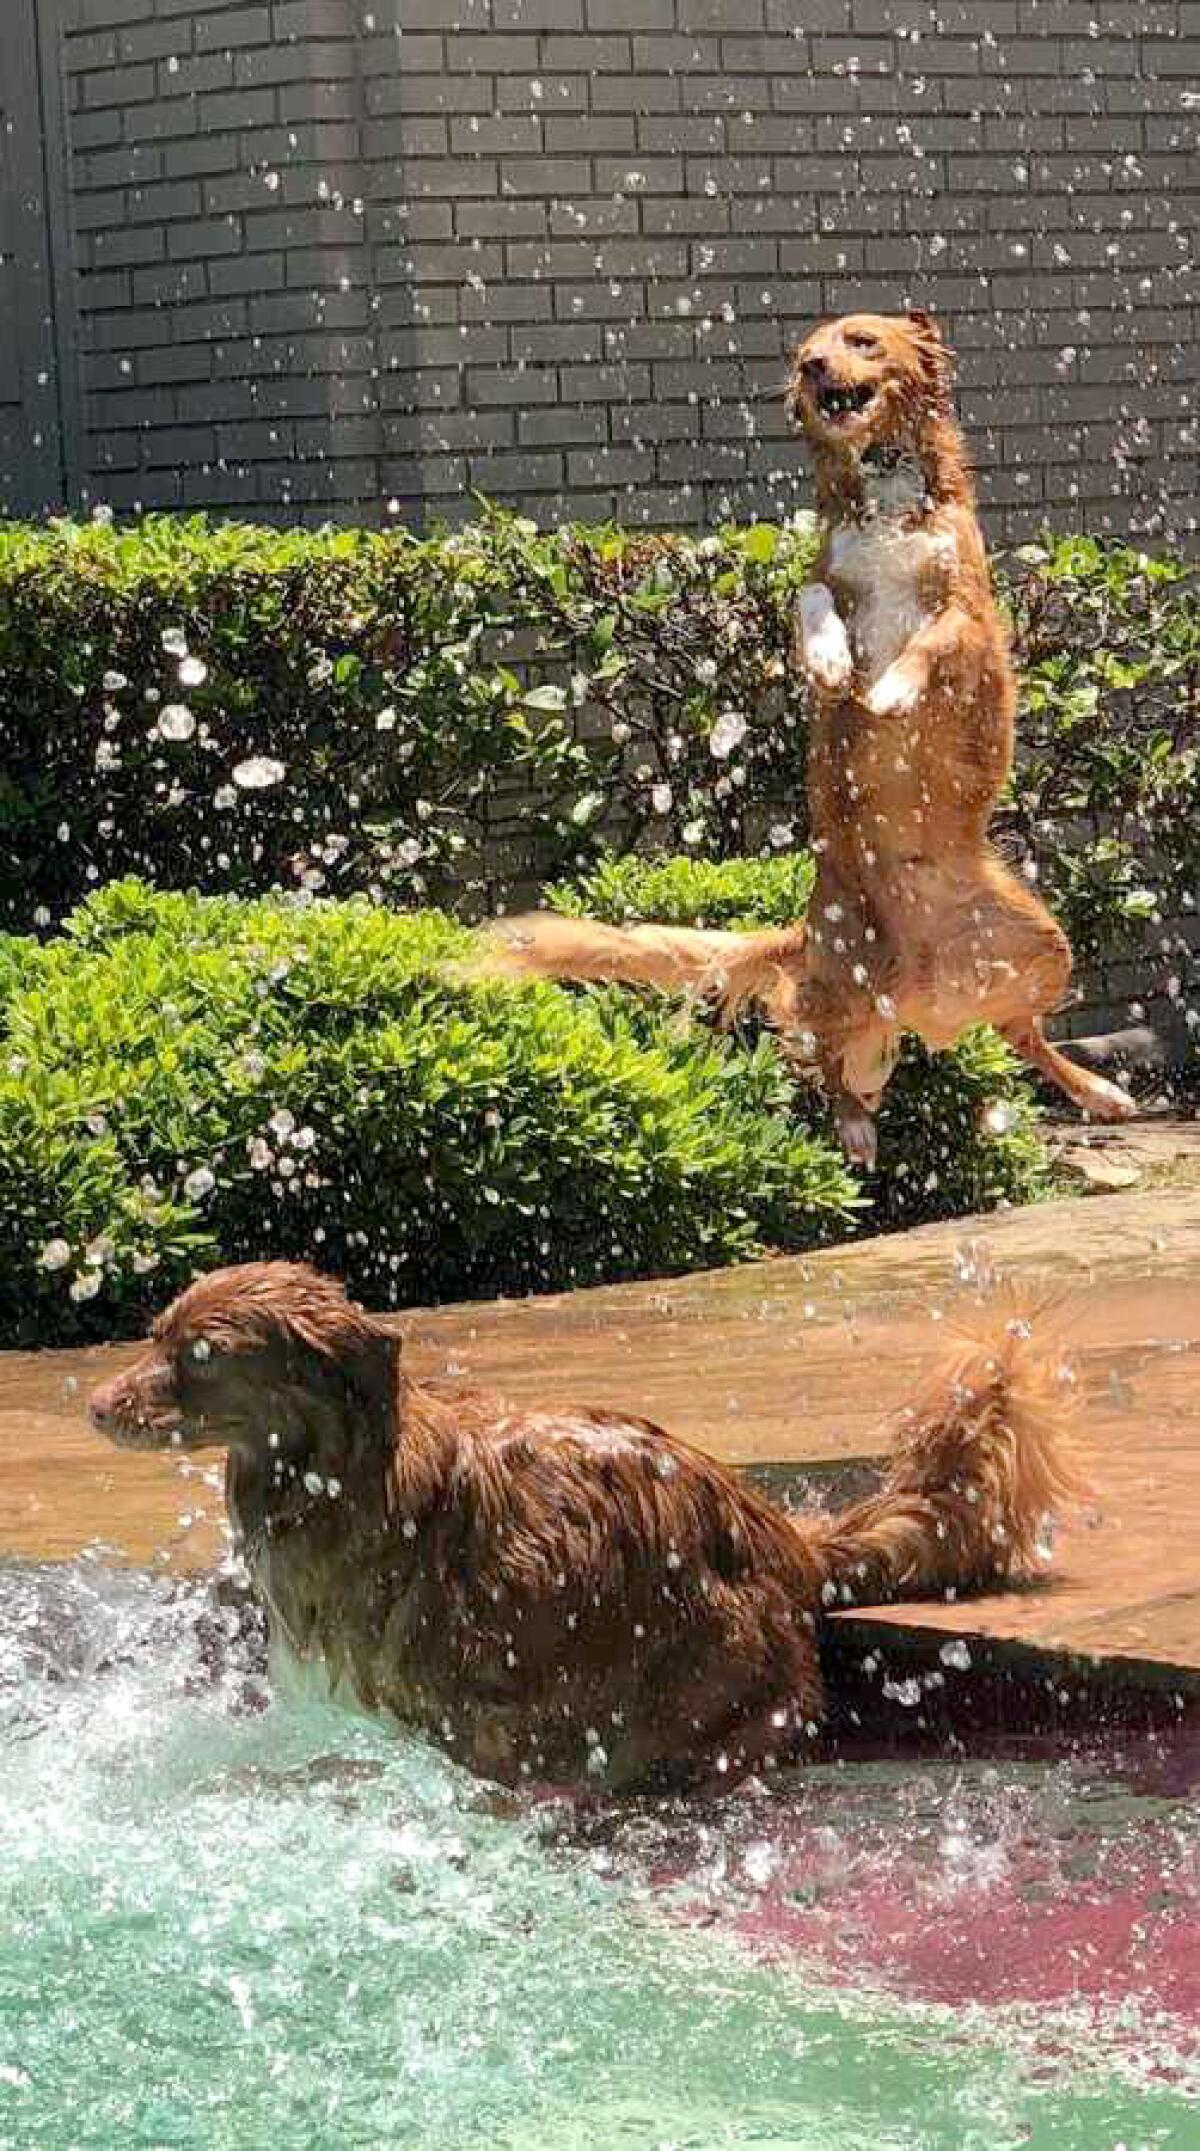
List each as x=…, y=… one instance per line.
x=231, y=1924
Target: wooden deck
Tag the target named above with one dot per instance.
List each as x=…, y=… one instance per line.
x=792, y=1361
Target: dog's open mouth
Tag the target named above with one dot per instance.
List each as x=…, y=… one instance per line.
x=836, y=401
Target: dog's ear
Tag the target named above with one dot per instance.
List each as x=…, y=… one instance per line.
x=936, y=356
x=926, y=324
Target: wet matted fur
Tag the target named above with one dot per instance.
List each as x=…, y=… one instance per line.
x=569, y=1595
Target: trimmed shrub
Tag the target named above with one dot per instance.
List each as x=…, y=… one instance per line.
x=235, y=709
x=958, y=1133
x=188, y=1081
x=690, y=892
x=1107, y=789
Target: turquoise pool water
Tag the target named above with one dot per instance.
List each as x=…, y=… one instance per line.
x=225, y=1926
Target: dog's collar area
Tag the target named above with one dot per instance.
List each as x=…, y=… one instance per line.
x=893, y=484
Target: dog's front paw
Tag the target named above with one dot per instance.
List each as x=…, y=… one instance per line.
x=824, y=643
x=894, y=694
x=828, y=658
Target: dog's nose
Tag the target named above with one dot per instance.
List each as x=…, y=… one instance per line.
x=110, y=1404
x=101, y=1408
x=814, y=371
x=104, y=1404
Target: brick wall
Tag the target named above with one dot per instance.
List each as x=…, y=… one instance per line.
x=367, y=255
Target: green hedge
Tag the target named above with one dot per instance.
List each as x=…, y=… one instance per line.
x=186, y=1081
x=690, y=892
x=1106, y=795
x=460, y=714
x=378, y=712
x=189, y=1081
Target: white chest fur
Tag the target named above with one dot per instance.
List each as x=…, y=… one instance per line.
x=880, y=566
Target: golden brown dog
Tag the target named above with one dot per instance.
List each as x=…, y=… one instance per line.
x=915, y=924
x=566, y=1595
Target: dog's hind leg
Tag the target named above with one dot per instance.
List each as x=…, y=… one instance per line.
x=1017, y=968
x=856, y=1074
x=857, y=1132
x=1091, y=1093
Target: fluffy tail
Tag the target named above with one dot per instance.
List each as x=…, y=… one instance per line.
x=731, y=970
x=978, y=1464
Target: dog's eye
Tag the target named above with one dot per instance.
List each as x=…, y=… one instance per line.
x=863, y=343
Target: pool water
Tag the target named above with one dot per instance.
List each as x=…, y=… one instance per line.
x=231, y=1924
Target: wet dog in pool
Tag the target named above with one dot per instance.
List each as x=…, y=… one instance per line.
x=915, y=924
x=566, y=1595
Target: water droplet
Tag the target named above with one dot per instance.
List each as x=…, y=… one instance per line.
x=728, y=732
x=258, y=772
x=957, y=1655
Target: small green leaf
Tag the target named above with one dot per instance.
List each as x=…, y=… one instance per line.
x=761, y=542
x=550, y=699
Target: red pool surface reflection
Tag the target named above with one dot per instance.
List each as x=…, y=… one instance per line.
x=1005, y=1882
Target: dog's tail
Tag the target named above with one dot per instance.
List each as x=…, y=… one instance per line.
x=979, y=1462
x=731, y=970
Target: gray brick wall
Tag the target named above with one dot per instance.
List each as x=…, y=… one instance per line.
x=365, y=256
